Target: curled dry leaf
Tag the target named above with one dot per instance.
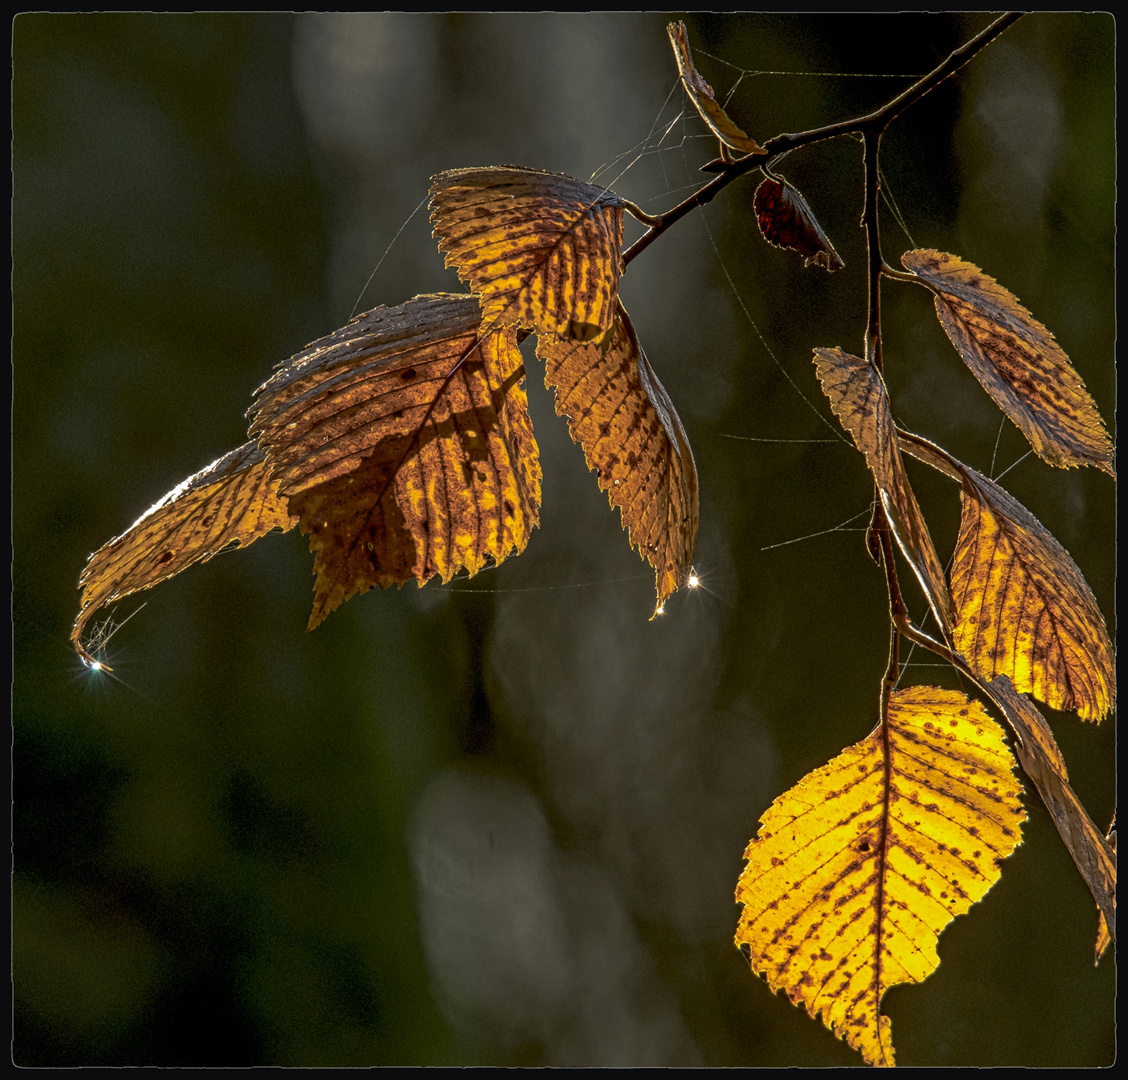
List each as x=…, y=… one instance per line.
x=701, y=94
x=1104, y=935
x=1023, y=608
x=858, y=868
x=786, y=221
x=540, y=250
x=403, y=442
x=1017, y=361
x=1042, y=761
x=858, y=397
x=633, y=441
x=233, y=501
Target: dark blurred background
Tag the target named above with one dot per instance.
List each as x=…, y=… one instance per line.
x=501, y=821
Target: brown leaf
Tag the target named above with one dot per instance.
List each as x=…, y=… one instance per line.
x=1023, y=608
x=1104, y=935
x=540, y=250
x=404, y=444
x=633, y=441
x=1017, y=361
x=701, y=94
x=786, y=221
x=1042, y=762
x=233, y=501
x=859, y=399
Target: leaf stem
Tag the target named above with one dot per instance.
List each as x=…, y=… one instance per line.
x=871, y=143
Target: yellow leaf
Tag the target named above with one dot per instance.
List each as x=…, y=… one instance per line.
x=859, y=867
x=701, y=94
x=858, y=397
x=1023, y=608
x=1017, y=361
x=403, y=441
x=233, y=501
x=633, y=441
x=540, y=250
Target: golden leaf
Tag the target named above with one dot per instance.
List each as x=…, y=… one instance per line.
x=233, y=501
x=540, y=250
x=1023, y=608
x=1104, y=938
x=633, y=441
x=701, y=94
x=859, y=867
x=404, y=444
x=1041, y=760
x=859, y=399
x=1017, y=361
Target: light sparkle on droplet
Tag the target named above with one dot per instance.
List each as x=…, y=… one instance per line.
x=693, y=580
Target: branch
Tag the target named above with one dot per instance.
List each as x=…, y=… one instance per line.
x=875, y=122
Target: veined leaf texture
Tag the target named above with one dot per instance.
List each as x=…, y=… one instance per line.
x=402, y=443
x=632, y=438
x=786, y=221
x=1017, y=361
x=859, y=399
x=540, y=250
x=861, y=865
x=232, y=502
x=1023, y=608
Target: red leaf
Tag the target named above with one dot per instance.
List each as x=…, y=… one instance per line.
x=786, y=221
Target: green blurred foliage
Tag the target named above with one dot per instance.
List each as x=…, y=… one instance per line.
x=215, y=849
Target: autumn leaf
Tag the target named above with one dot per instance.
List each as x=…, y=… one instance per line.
x=786, y=221
x=540, y=250
x=859, y=867
x=1104, y=935
x=1041, y=760
x=1017, y=361
x=403, y=442
x=633, y=441
x=232, y=502
x=701, y=94
x=859, y=399
x=1023, y=608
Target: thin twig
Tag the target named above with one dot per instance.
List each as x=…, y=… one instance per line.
x=875, y=122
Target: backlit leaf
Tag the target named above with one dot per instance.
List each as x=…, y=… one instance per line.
x=1024, y=609
x=633, y=441
x=233, y=501
x=701, y=94
x=540, y=250
x=859, y=867
x=1042, y=762
x=1104, y=935
x=404, y=444
x=859, y=399
x=1017, y=361
x=786, y=221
